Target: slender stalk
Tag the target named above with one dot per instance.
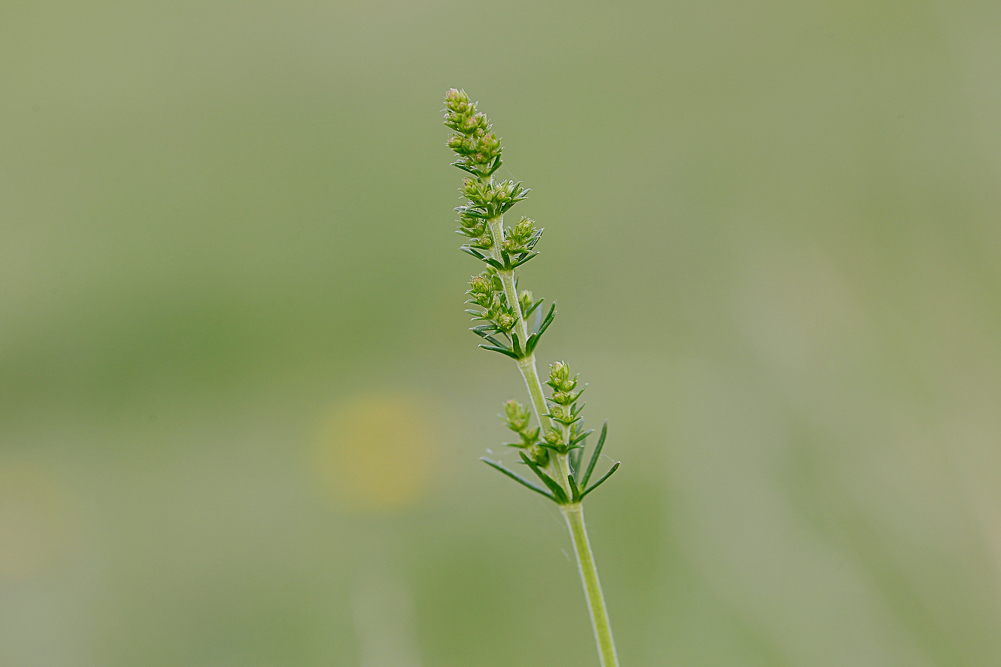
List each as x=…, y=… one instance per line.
x=534, y=384
x=527, y=366
x=574, y=515
x=562, y=466
x=478, y=151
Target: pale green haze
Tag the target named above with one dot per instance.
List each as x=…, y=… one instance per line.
x=241, y=413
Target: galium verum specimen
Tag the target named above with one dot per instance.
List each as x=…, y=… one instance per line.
x=552, y=446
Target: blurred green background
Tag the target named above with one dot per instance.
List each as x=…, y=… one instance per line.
x=240, y=413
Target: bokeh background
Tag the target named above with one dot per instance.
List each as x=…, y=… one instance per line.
x=240, y=413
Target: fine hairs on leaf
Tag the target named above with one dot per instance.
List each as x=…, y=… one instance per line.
x=553, y=447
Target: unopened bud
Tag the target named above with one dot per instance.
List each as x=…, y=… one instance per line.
x=523, y=230
x=558, y=373
x=517, y=415
x=457, y=100
x=478, y=285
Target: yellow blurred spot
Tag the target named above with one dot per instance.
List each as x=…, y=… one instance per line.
x=32, y=521
x=378, y=452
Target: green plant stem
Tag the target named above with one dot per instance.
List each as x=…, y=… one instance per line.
x=531, y=375
x=574, y=515
x=562, y=466
x=527, y=365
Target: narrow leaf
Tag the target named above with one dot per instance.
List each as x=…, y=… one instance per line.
x=518, y=478
x=531, y=309
x=560, y=449
x=505, y=352
x=533, y=340
x=472, y=251
x=574, y=491
x=575, y=457
x=524, y=259
x=494, y=263
x=603, y=478
x=595, y=454
x=472, y=212
x=581, y=436
x=557, y=490
x=490, y=339
x=517, y=346
x=550, y=316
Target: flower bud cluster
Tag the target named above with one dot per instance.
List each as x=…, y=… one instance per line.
x=478, y=149
x=475, y=228
x=517, y=417
x=564, y=387
x=522, y=237
x=487, y=291
x=489, y=200
x=563, y=408
x=553, y=449
x=527, y=304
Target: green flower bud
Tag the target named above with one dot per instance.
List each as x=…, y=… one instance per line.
x=517, y=239
x=539, y=456
x=559, y=372
x=477, y=192
x=484, y=242
x=469, y=124
x=566, y=397
x=524, y=229
x=525, y=300
x=480, y=286
x=530, y=437
x=503, y=192
x=457, y=101
x=517, y=416
x=472, y=227
x=488, y=147
x=505, y=321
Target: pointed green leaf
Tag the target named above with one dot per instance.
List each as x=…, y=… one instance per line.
x=462, y=166
x=490, y=339
x=531, y=309
x=595, y=454
x=560, y=449
x=524, y=259
x=603, y=478
x=557, y=490
x=494, y=263
x=574, y=491
x=550, y=316
x=517, y=346
x=574, y=459
x=472, y=251
x=518, y=478
x=581, y=436
x=505, y=352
